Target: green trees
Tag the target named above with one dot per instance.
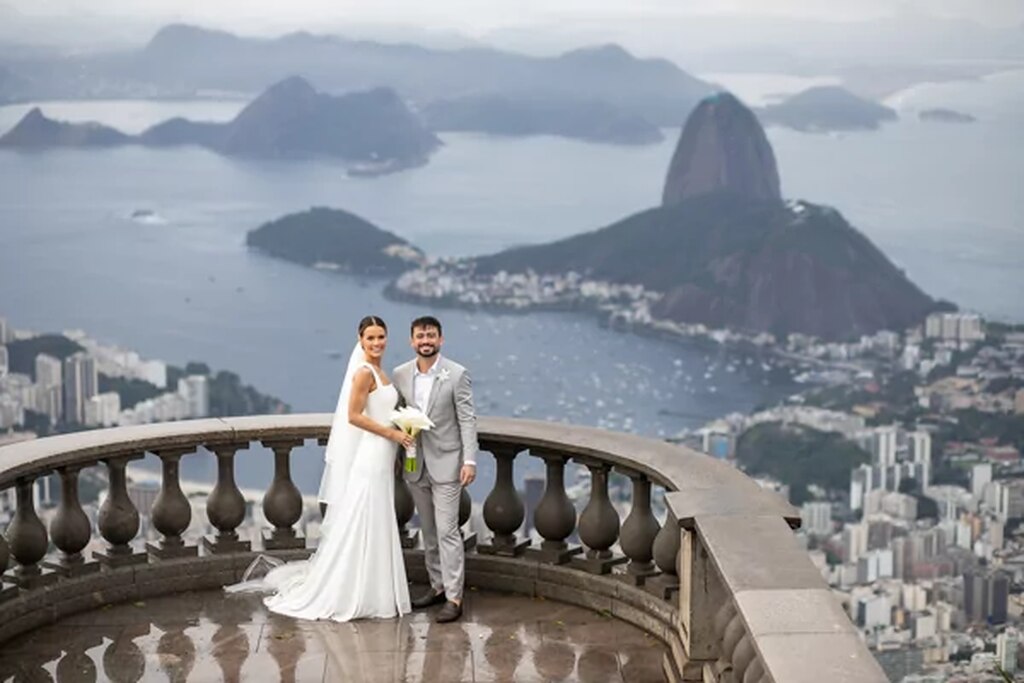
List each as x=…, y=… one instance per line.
x=799, y=456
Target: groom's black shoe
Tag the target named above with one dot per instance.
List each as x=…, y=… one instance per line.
x=429, y=599
x=450, y=612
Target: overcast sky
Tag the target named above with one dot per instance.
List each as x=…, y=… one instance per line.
x=476, y=17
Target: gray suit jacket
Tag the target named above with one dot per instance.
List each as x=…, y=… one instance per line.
x=443, y=449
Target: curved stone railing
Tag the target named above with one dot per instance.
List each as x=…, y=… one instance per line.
x=722, y=583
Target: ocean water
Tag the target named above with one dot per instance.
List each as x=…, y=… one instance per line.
x=943, y=201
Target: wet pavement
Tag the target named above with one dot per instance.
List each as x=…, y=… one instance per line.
x=210, y=636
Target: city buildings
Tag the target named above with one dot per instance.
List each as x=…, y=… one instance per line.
x=963, y=328
x=986, y=596
x=67, y=391
x=81, y=383
x=817, y=518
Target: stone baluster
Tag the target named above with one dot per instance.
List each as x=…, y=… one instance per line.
x=503, y=510
x=639, y=531
x=404, y=509
x=725, y=631
x=465, y=511
x=666, y=557
x=737, y=656
x=555, y=516
x=172, y=512
x=599, y=522
x=225, y=506
x=282, y=503
x=743, y=658
x=731, y=637
x=70, y=528
x=27, y=537
x=118, y=519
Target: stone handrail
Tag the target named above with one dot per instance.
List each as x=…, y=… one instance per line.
x=724, y=554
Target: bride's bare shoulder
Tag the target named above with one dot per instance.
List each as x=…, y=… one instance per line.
x=362, y=377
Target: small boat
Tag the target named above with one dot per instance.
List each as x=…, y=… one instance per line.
x=147, y=216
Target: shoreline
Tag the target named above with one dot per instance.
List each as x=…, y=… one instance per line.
x=781, y=368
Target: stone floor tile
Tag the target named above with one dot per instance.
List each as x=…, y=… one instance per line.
x=555, y=660
x=431, y=666
x=599, y=665
x=368, y=667
x=45, y=639
x=599, y=631
x=642, y=664
x=263, y=666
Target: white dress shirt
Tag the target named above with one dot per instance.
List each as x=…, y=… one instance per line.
x=423, y=384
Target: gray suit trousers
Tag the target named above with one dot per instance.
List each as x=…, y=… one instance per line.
x=438, y=507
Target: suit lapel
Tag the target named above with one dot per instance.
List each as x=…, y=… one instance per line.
x=410, y=384
x=435, y=387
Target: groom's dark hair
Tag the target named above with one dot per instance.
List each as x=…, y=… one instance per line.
x=425, y=321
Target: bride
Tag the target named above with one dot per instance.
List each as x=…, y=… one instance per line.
x=357, y=570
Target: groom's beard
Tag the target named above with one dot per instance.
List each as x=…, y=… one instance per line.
x=426, y=351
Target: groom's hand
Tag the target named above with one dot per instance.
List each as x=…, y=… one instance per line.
x=467, y=475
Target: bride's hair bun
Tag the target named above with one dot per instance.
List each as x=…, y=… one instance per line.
x=369, y=321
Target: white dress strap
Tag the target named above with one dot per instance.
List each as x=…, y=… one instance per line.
x=376, y=377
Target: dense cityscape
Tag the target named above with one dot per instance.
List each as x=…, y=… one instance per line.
x=923, y=546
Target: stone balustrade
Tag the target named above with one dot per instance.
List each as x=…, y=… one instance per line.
x=722, y=582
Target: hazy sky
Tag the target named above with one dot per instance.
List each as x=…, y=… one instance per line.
x=479, y=16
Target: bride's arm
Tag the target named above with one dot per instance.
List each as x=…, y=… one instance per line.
x=361, y=384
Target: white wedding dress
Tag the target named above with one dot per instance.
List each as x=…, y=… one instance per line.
x=357, y=571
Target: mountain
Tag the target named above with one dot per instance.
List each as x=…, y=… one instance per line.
x=179, y=131
x=291, y=119
x=722, y=149
x=724, y=249
x=729, y=261
x=593, y=121
x=184, y=61
x=35, y=131
x=826, y=108
x=374, y=129
x=333, y=239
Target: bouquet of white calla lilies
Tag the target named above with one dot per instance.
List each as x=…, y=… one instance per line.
x=411, y=421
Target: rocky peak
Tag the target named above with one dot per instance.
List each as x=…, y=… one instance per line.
x=723, y=148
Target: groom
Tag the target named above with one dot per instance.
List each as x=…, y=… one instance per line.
x=445, y=461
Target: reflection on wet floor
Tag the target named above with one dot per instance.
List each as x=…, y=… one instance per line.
x=209, y=636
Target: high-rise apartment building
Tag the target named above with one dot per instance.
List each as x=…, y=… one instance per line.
x=80, y=384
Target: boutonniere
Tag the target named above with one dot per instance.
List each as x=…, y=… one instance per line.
x=443, y=375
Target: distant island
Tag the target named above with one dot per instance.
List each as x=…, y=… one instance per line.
x=945, y=116
x=593, y=121
x=600, y=93
x=724, y=251
x=332, y=239
x=373, y=130
x=826, y=108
